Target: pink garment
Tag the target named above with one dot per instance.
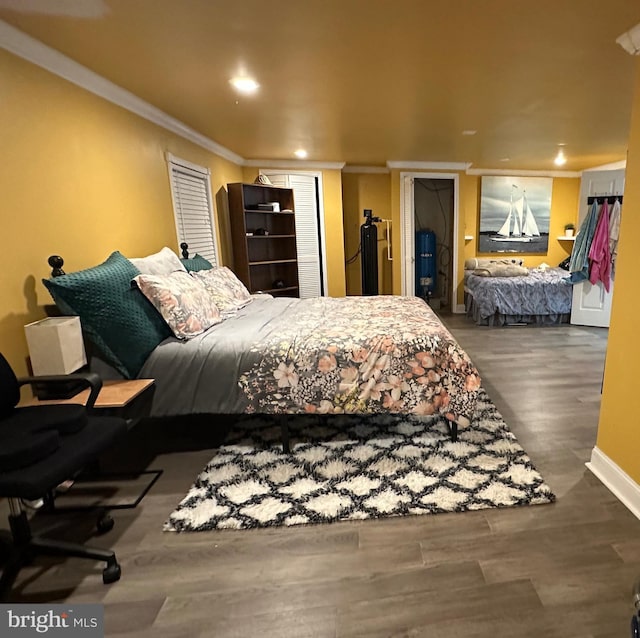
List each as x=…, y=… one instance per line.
x=599, y=258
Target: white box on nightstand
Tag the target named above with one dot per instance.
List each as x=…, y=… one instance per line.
x=55, y=345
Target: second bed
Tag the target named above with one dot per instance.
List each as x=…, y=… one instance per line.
x=541, y=297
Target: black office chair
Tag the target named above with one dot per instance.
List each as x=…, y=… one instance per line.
x=635, y=619
x=40, y=447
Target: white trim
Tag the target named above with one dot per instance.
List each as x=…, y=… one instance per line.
x=294, y=164
x=32, y=50
x=365, y=169
x=460, y=309
x=323, y=238
x=443, y=166
x=407, y=235
x=616, y=480
x=407, y=217
x=614, y=166
x=204, y=170
x=495, y=171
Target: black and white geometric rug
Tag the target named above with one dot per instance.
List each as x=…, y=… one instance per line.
x=357, y=467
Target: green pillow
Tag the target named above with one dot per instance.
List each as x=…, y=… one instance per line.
x=196, y=263
x=115, y=315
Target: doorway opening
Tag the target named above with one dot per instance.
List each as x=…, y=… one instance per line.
x=438, y=197
x=433, y=211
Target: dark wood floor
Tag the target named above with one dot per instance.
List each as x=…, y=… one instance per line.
x=563, y=570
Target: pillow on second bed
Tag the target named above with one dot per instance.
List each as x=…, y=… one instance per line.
x=183, y=302
x=501, y=270
x=483, y=262
x=226, y=290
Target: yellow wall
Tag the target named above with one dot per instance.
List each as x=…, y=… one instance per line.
x=332, y=195
x=360, y=191
x=618, y=431
x=81, y=178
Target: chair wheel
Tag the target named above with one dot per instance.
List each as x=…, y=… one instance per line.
x=104, y=524
x=111, y=573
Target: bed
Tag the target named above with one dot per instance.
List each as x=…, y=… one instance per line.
x=541, y=297
x=279, y=356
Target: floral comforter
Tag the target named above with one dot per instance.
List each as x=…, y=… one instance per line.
x=364, y=355
x=323, y=355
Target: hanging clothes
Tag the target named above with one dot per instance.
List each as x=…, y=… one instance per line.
x=599, y=257
x=614, y=234
x=579, y=263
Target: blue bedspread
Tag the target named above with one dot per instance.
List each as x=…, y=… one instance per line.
x=541, y=292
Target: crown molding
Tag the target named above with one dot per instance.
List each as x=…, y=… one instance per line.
x=613, y=166
x=365, y=169
x=439, y=166
x=516, y=173
x=308, y=164
x=34, y=51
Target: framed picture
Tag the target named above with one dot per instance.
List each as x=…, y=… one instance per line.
x=514, y=214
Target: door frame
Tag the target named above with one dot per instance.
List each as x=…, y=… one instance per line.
x=407, y=232
x=320, y=195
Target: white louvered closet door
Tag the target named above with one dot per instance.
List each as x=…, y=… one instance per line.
x=307, y=231
x=193, y=211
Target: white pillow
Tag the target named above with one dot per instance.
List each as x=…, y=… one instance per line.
x=164, y=262
x=483, y=262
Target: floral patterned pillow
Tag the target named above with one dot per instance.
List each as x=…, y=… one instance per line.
x=183, y=302
x=226, y=290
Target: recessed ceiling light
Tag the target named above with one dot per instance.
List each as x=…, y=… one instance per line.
x=469, y=132
x=301, y=153
x=560, y=159
x=244, y=85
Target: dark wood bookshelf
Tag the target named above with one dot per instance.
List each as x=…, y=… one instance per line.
x=264, y=241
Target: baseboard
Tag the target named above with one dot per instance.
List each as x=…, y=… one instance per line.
x=616, y=480
x=459, y=309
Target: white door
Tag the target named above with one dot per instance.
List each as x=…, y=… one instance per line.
x=308, y=229
x=591, y=304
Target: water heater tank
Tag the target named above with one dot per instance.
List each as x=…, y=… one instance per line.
x=425, y=263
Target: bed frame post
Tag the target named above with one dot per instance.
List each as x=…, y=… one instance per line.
x=453, y=430
x=184, y=247
x=56, y=262
x=284, y=432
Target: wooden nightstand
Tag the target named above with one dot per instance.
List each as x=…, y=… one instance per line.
x=129, y=399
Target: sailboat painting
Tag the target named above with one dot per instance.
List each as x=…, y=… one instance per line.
x=514, y=214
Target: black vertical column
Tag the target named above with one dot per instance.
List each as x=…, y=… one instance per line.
x=369, y=258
